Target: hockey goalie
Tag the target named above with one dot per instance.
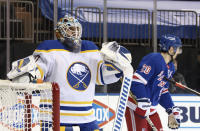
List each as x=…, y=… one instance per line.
x=77, y=66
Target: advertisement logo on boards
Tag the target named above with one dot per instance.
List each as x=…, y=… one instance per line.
x=190, y=115
x=103, y=113
x=16, y=115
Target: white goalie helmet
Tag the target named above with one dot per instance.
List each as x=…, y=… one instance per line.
x=68, y=28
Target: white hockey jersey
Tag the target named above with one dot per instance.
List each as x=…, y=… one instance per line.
x=76, y=75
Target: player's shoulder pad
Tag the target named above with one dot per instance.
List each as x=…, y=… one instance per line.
x=153, y=58
x=50, y=44
x=88, y=45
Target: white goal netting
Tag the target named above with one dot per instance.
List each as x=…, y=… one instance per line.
x=28, y=106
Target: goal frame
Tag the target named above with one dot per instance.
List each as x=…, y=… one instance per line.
x=28, y=101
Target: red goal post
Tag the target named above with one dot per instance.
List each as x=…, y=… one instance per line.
x=29, y=106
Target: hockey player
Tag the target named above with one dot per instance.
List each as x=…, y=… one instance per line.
x=76, y=65
x=149, y=88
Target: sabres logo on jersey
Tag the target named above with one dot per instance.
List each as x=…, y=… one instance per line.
x=79, y=76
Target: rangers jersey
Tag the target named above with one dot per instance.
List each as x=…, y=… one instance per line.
x=76, y=75
x=148, y=80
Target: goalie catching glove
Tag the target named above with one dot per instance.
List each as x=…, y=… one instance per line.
x=25, y=71
x=174, y=117
x=118, y=55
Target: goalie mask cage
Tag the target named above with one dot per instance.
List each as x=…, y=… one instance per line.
x=29, y=106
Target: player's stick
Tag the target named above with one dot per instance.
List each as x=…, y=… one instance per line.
x=151, y=124
x=122, y=102
x=147, y=118
x=182, y=86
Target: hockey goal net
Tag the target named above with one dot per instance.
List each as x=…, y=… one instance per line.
x=29, y=106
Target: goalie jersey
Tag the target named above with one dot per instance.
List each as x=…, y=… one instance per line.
x=76, y=75
x=148, y=80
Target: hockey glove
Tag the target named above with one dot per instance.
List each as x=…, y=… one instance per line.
x=118, y=55
x=24, y=70
x=174, y=117
x=143, y=107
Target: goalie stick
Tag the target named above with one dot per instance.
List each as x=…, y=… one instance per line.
x=182, y=86
x=122, y=102
x=121, y=107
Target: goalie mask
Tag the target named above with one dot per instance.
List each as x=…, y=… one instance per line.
x=69, y=31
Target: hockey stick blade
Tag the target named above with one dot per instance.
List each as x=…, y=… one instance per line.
x=122, y=102
x=182, y=86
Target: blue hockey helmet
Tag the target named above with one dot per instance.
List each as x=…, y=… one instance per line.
x=167, y=41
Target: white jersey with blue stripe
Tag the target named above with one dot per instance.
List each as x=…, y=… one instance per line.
x=76, y=75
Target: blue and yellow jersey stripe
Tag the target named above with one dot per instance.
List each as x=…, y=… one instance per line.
x=98, y=79
x=55, y=45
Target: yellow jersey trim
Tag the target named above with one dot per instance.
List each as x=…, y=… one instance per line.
x=77, y=114
x=68, y=102
x=98, y=68
x=76, y=102
x=51, y=50
x=46, y=100
x=20, y=63
x=41, y=71
x=62, y=128
x=110, y=65
x=45, y=112
x=86, y=51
